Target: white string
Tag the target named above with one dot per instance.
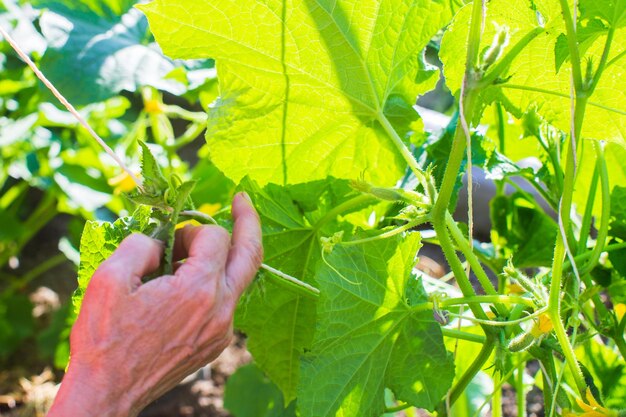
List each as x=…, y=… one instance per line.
x=68, y=106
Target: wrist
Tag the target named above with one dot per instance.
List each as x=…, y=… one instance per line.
x=88, y=391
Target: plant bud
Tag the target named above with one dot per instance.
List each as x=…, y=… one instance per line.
x=500, y=41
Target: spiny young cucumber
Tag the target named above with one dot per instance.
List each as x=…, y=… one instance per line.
x=521, y=342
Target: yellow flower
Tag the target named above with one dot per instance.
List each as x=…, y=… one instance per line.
x=591, y=408
x=515, y=289
x=153, y=106
x=542, y=326
x=123, y=183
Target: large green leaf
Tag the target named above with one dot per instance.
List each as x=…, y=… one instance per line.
x=278, y=319
x=91, y=58
x=370, y=336
x=249, y=393
x=304, y=84
x=608, y=370
x=531, y=79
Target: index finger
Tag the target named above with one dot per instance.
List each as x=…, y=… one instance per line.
x=205, y=249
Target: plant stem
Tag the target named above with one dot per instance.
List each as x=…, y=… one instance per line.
x=198, y=216
x=291, y=279
x=585, y=227
x=587, y=255
x=485, y=352
x=493, y=323
x=520, y=394
x=178, y=112
x=603, y=60
x=439, y=221
x=457, y=268
x=190, y=135
x=404, y=151
x=569, y=176
x=555, y=315
x=496, y=397
x=616, y=58
x=544, y=194
x=471, y=257
x=12, y=194
x=458, y=334
x=474, y=36
x=342, y=208
x=481, y=257
x=473, y=261
x=549, y=377
x=483, y=299
x=601, y=172
x=554, y=310
x=559, y=94
x=457, y=152
x=455, y=159
x=500, y=382
x=572, y=43
x=397, y=408
x=499, y=113
x=408, y=226
x=603, y=230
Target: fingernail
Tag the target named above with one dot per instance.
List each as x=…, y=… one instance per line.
x=246, y=196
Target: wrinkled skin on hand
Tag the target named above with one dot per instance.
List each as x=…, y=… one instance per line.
x=132, y=342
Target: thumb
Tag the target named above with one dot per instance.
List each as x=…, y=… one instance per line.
x=137, y=256
x=246, y=253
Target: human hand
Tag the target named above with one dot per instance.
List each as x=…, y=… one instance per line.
x=132, y=342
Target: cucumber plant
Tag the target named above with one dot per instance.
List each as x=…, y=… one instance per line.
x=315, y=120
